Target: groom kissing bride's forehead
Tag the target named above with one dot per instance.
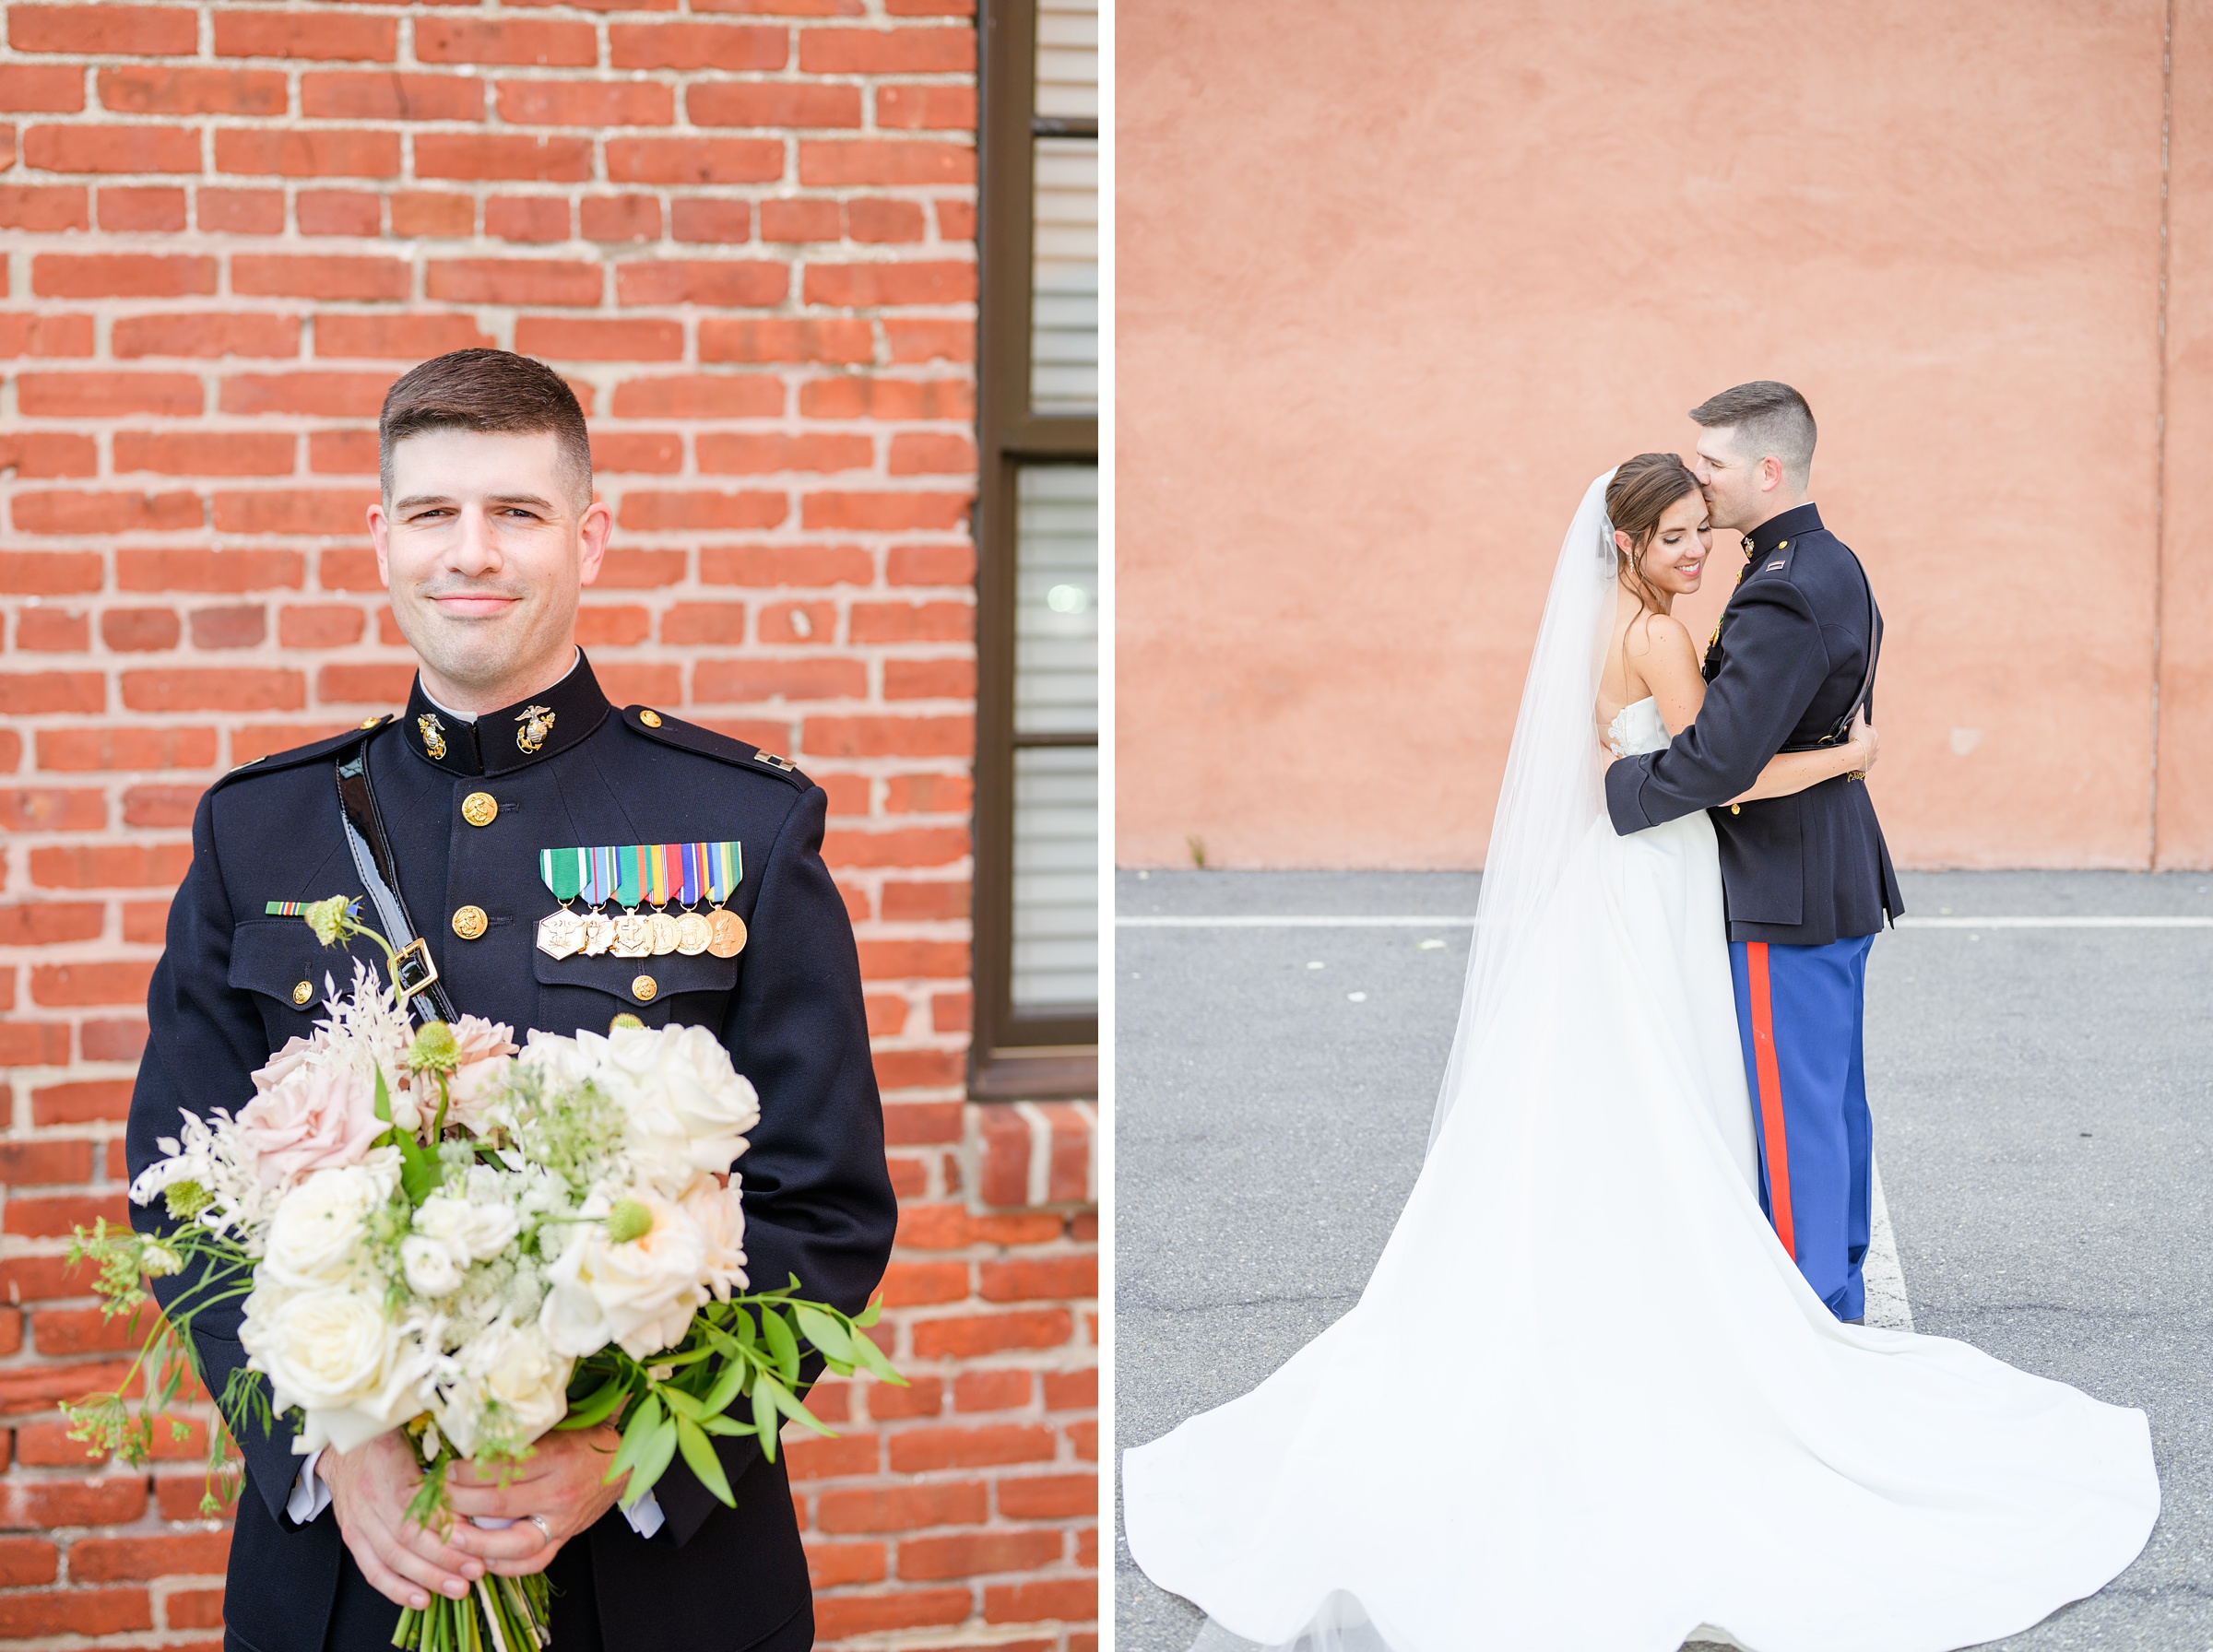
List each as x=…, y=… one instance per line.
x=1806, y=878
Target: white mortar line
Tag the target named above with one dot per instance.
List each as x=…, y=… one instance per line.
x=1041, y=1151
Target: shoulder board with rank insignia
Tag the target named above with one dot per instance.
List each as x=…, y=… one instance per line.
x=690, y=736
x=271, y=762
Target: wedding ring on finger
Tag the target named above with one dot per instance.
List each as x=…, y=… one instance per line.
x=544, y=1530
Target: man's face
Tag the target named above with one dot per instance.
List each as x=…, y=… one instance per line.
x=1729, y=480
x=483, y=548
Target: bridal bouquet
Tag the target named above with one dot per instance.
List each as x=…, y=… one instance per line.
x=436, y=1232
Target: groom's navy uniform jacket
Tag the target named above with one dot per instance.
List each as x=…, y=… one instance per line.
x=234, y=985
x=1785, y=665
x=1806, y=878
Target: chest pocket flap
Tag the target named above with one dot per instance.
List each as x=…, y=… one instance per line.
x=671, y=974
x=279, y=957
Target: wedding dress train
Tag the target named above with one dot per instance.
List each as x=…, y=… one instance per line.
x=1586, y=1402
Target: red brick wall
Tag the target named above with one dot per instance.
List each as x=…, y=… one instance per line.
x=745, y=236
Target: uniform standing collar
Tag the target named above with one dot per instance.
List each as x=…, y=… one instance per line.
x=1798, y=519
x=512, y=737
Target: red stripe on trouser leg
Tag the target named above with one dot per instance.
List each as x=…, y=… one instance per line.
x=1771, y=1094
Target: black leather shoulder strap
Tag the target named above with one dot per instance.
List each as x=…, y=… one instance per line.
x=379, y=867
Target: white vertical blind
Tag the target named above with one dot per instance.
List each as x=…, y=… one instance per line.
x=1056, y=599
x=1056, y=962
x=1056, y=939
x=1064, y=296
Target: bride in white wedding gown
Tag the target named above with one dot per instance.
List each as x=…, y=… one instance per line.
x=1631, y=1421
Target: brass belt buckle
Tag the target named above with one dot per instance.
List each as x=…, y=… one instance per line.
x=412, y=970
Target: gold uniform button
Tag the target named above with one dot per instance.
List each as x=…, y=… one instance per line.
x=301, y=993
x=643, y=989
x=651, y=719
x=1736, y=808
x=370, y=722
x=471, y=921
x=480, y=808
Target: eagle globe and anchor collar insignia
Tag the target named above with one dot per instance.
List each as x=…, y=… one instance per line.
x=547, y=724
x=536, y=723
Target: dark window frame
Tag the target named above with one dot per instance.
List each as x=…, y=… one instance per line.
x=1011, y=1054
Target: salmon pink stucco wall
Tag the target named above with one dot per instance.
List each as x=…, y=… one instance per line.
x=1395, y=281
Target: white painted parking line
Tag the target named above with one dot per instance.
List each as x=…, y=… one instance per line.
x=1885, y=1278
x=1460, y=921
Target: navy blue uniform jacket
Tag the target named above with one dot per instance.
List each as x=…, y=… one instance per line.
x=1789, y=658
x=818, y=1200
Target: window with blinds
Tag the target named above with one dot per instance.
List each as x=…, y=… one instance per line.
x=1056, y=895
x=1037, y=578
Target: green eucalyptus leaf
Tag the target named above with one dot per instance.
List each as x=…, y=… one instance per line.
x=726, y=1425
x=824, y=1332
x=788, y=1403
x=718, y=1397
x=782, y=1345
x=591, y=1411
x=765, y=1415
x=653, y=1461
x=699, y=1454
x=872, y=1314
x=879, y=1367
x=642, y=1423
x=682, y=1404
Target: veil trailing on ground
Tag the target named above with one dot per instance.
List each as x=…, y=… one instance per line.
x=1552, y=789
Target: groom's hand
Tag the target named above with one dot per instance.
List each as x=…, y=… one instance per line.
x=370, y=1489
x=559, y=1482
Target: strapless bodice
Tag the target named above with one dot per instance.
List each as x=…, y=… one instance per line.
x=1636, y=729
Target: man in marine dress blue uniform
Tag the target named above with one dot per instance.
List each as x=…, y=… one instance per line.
x=1806, y=878
x=485, y=531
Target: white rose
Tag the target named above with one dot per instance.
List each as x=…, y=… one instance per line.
x=430, y=1265
x=523, y=1374
x=470, y=1232
x=332, y=1353
x=641, y=1293
x=315, y=1237
x=562, y=1060
x=720, y=1216
x=688, y=1072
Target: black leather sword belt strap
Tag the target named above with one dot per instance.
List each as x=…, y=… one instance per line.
x=1841, y=732
x=416, y=976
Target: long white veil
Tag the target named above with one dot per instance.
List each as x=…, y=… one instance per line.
x=1552, y=789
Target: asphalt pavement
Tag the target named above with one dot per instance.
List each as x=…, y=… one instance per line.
x=2043, y=1123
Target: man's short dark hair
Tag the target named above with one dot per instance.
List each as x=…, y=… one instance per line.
x=1771, y=420
x=486, y=390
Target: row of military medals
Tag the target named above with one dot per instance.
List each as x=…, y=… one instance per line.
x=651, y=874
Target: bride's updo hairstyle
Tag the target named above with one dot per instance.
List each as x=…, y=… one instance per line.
x=1637, y=498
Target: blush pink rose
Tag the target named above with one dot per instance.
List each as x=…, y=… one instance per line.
x=284, y=1063
x=315, y=1119
x=484, y=1048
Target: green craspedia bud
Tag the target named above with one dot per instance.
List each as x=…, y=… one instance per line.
x=625, y=1019
x=629, y=1220
x=435, y=1049
x=186, y=1199
x=325, y=918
